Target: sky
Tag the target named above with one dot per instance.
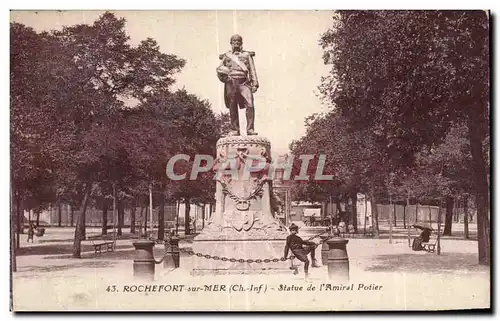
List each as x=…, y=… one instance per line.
x=288, y=57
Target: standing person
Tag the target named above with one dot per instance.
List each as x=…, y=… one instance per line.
x=300, y=248
x=342, y=227
x=31, y=232
x=237, y=72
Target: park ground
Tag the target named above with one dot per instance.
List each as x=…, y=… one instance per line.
x=48, y=279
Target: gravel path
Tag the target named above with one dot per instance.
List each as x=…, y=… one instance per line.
x=383, y=276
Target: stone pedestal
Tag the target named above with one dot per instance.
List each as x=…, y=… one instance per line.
x=243, y=227
x=338, y=260
x=144, y=262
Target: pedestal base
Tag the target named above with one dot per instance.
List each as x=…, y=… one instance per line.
x=258, y=251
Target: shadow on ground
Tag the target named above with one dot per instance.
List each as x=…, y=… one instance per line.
x=123, y=253
x=42, y=241
x=426, y=263
x=75, y=265
x=402, y=235
x=54, y=249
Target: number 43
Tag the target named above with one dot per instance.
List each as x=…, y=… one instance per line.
x=111, y=288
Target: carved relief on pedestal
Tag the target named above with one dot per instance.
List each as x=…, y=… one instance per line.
x=243, y=204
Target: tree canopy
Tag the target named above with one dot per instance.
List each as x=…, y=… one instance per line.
x=409, y=97
x=89, y=111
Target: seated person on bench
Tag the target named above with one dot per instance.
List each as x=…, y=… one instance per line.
x=424, y=237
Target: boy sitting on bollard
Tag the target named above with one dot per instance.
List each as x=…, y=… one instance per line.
x=300, y=248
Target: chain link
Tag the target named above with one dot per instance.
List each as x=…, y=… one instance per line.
x=315, y=236
x=233, y=260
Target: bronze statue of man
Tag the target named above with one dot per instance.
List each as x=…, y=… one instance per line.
x=237, y=72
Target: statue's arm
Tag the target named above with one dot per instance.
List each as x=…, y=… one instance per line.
x=221, y=77
x=221, y=58
x=253, y=72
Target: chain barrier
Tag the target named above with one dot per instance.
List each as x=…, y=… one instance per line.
x=233, y=260
x=315, y=236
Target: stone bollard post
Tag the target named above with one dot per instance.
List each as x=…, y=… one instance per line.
x=338, y=260
x=144, y=262
x=324, y=249
x=172, y=254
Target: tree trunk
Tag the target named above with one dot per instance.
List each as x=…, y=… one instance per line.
x=404, y=216
x=203, y=217
x=448, y=220
x=13, y=257
x=13, y=217
x=19, y=218
x=151, y=207
x=132, y=218
x=373, y=202
x=354, y=199
x=84, y=226
x=366, y=214
x=71, y=215
x=339, y=209
x=104, y=219
x=80, y=223
x=481, y=191
x=161, y=214
x=439, y=229
x=416, y=210
x=146, y=221
x=177, y=218
x=391, y=217
x=141, y=219
x=210, y=210
x=394, y=214
x=59, y=214
x=407, y=204
x=121, y=215
x=187, y=227
x=38, y=218
x=466, y=217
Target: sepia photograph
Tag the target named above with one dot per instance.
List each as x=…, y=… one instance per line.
x=250, y=160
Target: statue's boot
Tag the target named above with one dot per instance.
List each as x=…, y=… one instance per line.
x=251, y=132
x=233, y=133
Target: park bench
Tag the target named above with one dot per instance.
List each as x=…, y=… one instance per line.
x=429, y=246
x=40, y=231
x=106, y=243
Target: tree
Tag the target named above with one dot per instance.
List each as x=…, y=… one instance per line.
x=352, y=156
x=407, y=76
x=34, y=153
x=70, y=85
x=192, y=129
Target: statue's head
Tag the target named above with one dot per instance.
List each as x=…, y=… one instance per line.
x=236, y=42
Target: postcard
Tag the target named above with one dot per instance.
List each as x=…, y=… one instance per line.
x=239, y=160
